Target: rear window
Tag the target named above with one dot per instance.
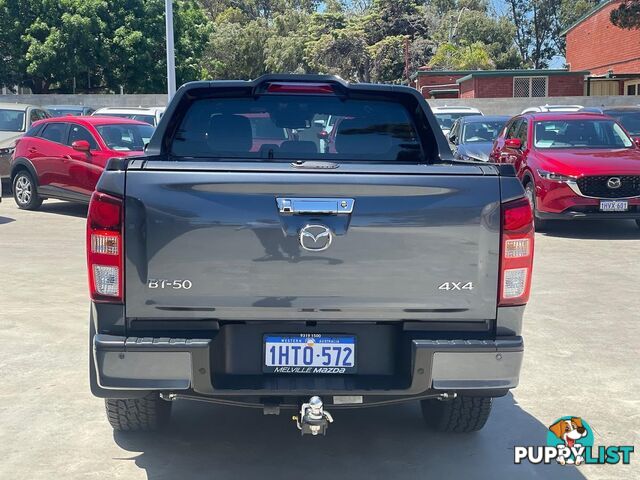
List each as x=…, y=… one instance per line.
x=296, y=127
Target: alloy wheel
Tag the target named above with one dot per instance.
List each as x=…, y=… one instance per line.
x=24, y=190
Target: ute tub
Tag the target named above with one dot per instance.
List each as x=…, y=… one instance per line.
x=172, y=364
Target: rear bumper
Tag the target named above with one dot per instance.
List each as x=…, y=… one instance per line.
x=129, y=364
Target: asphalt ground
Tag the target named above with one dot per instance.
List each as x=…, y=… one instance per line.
x=581, y=359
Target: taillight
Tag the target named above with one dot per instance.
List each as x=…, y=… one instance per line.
x=104, y=248
x=516, y=252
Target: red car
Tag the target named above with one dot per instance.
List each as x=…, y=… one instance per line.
x=64, y=157
x=573, y=165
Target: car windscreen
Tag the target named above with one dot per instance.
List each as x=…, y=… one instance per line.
x=125, y=137
x=291, y=127
x=446, y=120
x=629, y=120
x=477, y=132
x=580, y=134
x=12, y=120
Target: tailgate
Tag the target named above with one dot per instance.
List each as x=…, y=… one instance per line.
x=216, y=245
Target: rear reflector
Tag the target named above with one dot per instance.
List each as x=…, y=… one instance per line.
x=104, y=248
x=298, y=87
x=516, y=252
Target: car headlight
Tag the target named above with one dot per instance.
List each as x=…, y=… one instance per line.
x=7, y=150
x=556, y=177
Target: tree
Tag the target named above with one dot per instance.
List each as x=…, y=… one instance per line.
x=464, y=57
x=627, y=15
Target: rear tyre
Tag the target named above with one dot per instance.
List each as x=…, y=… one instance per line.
x=138, y=414
x=25, y=192
x=530, y=192
x=459, y=415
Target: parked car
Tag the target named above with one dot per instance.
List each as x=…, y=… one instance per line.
x=15, y=120
x=447, y=115
x=628, y=117
x=471, y=138
x=150, y=115
x=64, y=157
x=553, y=108
x=64, y=110
x=577, y=165
x=382, y=272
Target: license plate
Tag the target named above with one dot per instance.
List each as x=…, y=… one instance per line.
x=310, y=354
x=614, y=205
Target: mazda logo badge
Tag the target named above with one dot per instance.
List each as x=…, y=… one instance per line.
x=614, y=182
x=315, y=238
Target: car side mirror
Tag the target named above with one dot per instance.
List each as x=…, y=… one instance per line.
x=453, y=139
x=323, y=135
x=637, y=140
x=514, y=143
x=81, y=146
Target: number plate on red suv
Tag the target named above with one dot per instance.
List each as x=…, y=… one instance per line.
x=310, y=354
x=614, y=205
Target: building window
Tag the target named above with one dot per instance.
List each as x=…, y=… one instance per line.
x=530, y=86
x=632, y=87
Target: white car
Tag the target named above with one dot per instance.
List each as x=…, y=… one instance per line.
x=447, y=115
x=150, y=115
x=552, y=108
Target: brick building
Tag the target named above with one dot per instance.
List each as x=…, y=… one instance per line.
x=611, y=54
x=499, y=83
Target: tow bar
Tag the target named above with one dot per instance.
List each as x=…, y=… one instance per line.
x=313, y=419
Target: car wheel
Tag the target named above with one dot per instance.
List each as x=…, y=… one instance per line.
x=530, y=192
x=458, y=415
x=25, y=192
x=138, y=414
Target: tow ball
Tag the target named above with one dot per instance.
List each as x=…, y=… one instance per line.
x=313, y=419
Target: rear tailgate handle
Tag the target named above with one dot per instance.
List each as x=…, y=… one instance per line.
x=315, y=205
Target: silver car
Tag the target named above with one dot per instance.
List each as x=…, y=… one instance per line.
x=15, y=120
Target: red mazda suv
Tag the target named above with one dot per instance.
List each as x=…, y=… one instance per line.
x=64, y=157
x=573, y=165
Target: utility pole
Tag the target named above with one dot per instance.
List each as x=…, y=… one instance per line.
x=407, y=73
x=171, y=59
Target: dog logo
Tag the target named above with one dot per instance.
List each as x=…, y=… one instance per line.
x=614, y=182
x=315, y=238
x=570, y=432
x=570, y=442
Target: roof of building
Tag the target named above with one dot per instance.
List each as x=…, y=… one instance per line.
x=519, y=73
x=590, y=13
